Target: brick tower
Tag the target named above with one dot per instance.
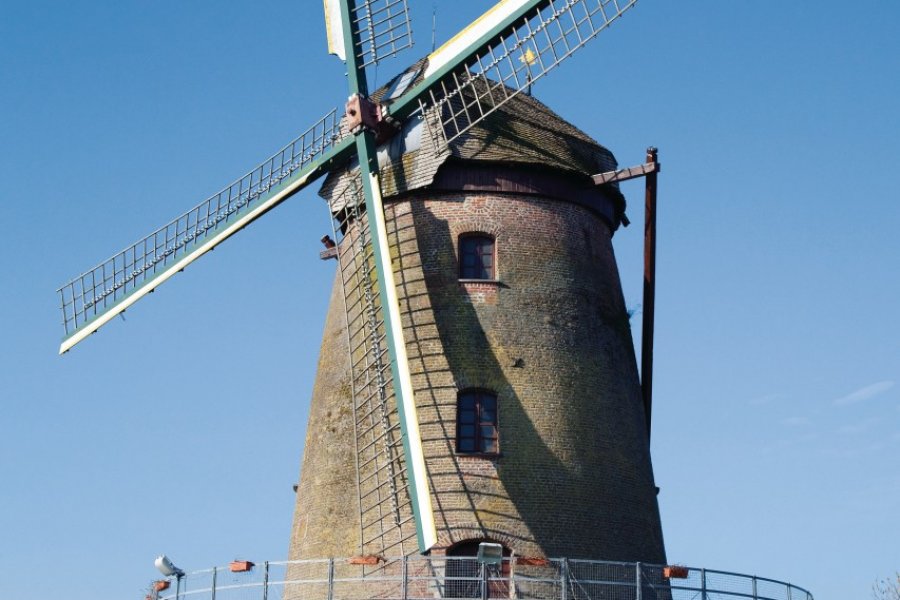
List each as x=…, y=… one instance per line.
x=520, y=350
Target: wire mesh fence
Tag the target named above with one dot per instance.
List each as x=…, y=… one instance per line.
x=421, y=578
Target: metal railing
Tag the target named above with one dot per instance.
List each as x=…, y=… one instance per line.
x=420, y=578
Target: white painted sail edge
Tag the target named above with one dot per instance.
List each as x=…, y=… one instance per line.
x=458, y=44
x=334, y=28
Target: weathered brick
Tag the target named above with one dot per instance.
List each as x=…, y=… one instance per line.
x=551, y=338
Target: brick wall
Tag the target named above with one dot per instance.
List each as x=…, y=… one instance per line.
x=551, y=338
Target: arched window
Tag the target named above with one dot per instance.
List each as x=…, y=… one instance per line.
x=476, y=256
x=476, y=422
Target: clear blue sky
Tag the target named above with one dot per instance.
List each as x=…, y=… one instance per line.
x=180, y=430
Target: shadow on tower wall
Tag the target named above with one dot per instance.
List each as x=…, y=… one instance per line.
x=552, y=341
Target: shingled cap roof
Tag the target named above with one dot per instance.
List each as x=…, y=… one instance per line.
x=523, y=132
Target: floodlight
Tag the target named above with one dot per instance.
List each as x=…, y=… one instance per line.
x=490, y=553
x=166, y=567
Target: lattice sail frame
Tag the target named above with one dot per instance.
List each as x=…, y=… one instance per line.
x=538, y=42
x=384, y=29
x=92, y=293
x=386, y=516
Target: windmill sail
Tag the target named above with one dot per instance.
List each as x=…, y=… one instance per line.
x=99, y=294
x=381, y=29
x=368, y=27
x=334, y=29
x=487, y=64
x=502, y=54
x=511, y=46
x=386, y=525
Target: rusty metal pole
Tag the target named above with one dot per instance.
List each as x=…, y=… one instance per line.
x=649, y=287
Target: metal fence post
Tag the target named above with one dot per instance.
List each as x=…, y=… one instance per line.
x=637, y=581
x=265, y=580
x=484, y=581
x=789, y=587
x=564, y=579
x=755, y=596
x=330, y=578
x=703, y=584
x=404, y=573
x=212, y=595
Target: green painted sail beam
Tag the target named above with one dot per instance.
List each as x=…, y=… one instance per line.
x=289, y=186
x=542, y=33
x=417, y=476
x=478, y=36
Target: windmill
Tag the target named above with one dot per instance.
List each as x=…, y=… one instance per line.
x=467, y=81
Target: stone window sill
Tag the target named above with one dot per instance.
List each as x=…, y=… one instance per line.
x=479, y=455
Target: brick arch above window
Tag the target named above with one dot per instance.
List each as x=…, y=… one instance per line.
x=479, y=224
x=465, y=531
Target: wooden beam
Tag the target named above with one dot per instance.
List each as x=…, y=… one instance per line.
x=626, y=174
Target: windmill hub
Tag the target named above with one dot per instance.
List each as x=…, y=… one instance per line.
x=363, y=114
